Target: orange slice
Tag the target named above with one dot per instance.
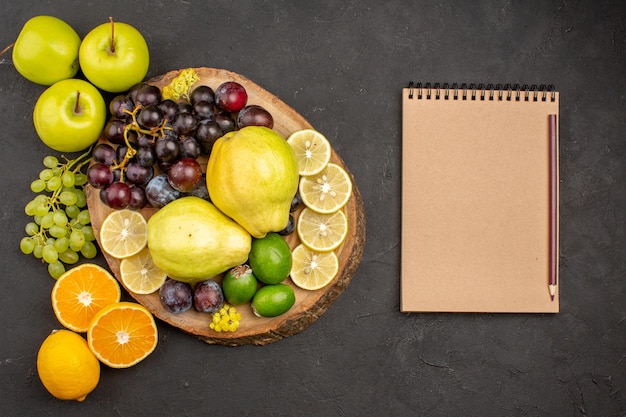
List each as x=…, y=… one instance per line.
x=122, y=334
x=80, y=293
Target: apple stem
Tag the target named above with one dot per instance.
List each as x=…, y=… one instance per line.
x=77, y=105
x=112, y=35
x=6, y=49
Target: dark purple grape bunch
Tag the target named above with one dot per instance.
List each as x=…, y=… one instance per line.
x=153, y=143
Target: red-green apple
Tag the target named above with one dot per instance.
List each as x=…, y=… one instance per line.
x=114, y=56
x=46, y=50
x=70, y=115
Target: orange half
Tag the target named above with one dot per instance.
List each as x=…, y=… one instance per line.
x=80, y=293
x=122, y=334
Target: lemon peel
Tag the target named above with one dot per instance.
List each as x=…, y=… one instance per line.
x=179, y=87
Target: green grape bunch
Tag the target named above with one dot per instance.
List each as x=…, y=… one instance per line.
x=60, y=230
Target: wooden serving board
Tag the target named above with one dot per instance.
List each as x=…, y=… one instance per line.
x=309, y=304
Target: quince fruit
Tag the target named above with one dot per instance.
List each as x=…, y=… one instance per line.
x=252, y=177
x=191, y=240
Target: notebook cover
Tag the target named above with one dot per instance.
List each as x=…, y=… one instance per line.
x=476, y=205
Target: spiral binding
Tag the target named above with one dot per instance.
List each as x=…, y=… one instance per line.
x=482, y=92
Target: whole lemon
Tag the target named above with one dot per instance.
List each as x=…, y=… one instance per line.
x=191, y=240
x=66, y=366
x=252, y=177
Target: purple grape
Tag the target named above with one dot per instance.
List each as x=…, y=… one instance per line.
x=208, y=297
x=145, y=140
x=137, y=173
x=138, y=198
x=114, y=131
x=185, y=174
x=202, y=93
x=201, y=190
x=103, y=153
x=134, y=90
x=148, y=94
x=150, y=116
x=225, y=121
x=254, y=115
x=176, y=296
x=99, y=176
x=203, y=109
x=190, y=148
x=231, y=96
x=146, y=156
x=169, y=109
x=120, y=105
x=291, y=226
x=184, y=123
x=117, y=195
x=296, y=203
x=167, y=149
x=207, y=133
x=159, y=192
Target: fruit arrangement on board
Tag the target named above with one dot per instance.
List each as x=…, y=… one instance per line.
x=217, y=207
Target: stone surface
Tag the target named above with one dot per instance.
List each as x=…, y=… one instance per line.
x=342, y=65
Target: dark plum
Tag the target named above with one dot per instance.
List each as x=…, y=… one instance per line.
x=254, y=115
x=208, y=297
x=159, y=192
x=176, y=296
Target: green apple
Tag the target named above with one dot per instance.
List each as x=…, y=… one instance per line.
x=46, y=50
x=114, y=56
x=70, y=115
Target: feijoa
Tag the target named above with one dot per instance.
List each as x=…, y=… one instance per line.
x=239, y=285
x=273, y=300
x=270, y=259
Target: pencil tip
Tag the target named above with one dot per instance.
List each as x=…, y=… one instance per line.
x=552, y=297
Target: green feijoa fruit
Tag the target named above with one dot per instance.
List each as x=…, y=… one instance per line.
x=239, y=285
x=270, y=259
x=273, y=300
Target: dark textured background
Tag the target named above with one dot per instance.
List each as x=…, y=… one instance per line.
x=342, y=64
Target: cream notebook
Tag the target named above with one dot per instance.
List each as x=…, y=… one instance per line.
x=479, y=199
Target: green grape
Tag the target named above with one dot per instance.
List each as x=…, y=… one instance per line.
x=88, y=233
x=50, y=161
x=56, y=269
x=39, y=240
x=68, y=198
x=42, y=199
x=46, y=174
x=68, y=257
x=27, y=245
x=42, y=209
x=82, y=199
x=37, y=186
x=80, y=179
x=37, y=220
x=57, y=231
x=54, y=183
x=68, y=178
x=50, y=254
x=83, y=217
x=50, y=241
x=77, y=240
x=47, y=220
x=62, y=244
x=30, y=207
x=31, y=228
x=60, y=218
x=89, y=250
x=72, y=211
x=38, y=251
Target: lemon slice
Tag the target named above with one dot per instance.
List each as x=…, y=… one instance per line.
x=123, y=233
x=322, y=232
x=312, y=150
x=139, y=273
x=313, y=270
x=327, y=191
